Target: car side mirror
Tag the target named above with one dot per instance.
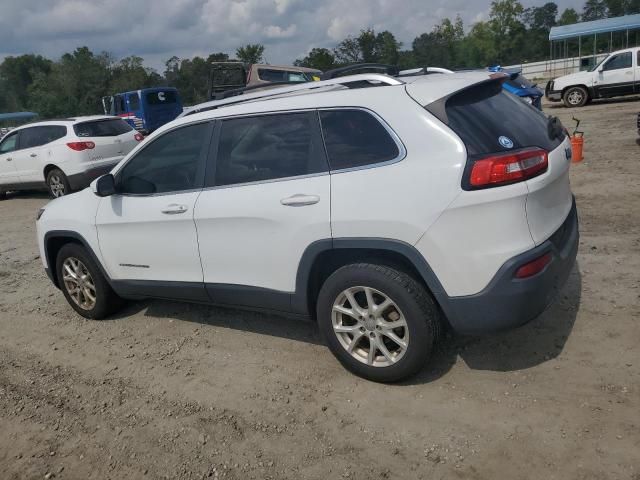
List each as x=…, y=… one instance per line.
x=104, y=186
x=601, y=68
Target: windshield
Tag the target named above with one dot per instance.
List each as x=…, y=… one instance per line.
x=598, y=64
x=271, y=75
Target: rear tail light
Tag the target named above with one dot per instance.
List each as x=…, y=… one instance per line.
x=139, y=137
x=80, y=146
x=506, y=168
x=534, y=266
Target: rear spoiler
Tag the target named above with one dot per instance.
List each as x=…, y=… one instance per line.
x=489, y=87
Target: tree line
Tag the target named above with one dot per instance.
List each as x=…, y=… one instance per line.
x=74, y=84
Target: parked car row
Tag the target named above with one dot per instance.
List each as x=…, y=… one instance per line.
x=302, y=200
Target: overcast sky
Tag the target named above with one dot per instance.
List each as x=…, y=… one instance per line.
x=159, y=29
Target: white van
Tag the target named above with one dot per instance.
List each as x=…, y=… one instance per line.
x=618, y=74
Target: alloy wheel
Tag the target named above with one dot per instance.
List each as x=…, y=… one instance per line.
x=370, y=326
x=56, y=186
x=575, y=97
x=79, y=283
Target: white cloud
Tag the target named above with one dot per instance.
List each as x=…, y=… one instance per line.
x=159, y=29
x=274, y=31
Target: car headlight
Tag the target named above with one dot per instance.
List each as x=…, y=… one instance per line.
x=529, y=100
x=39, y=214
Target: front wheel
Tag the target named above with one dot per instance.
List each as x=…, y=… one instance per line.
x=379, y=322
x=575, y=97
x=83, y=284
x=57, y=183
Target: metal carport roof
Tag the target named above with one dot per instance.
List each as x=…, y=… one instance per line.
x=616, y=24
x=17, y=116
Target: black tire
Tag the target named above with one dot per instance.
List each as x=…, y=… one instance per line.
x=3, y=195
x=57, y=183
x=420, y=312
x=575, y=97
x=106, y=300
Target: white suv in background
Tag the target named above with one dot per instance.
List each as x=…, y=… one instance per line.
x=63, y=155
x=384, y=213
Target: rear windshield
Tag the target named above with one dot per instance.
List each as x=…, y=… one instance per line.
x=283, y=76
x=489, y=120
x=161, y=98
x=102, y=128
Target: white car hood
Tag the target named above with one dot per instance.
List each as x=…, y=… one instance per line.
x=578, y=78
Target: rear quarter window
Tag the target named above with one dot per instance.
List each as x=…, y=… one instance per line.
x=483, y=114
x=355, y=138
x=102, y=128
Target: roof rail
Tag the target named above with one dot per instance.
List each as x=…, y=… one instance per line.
x=356, y=81
x=422, y=71
x=381, y=68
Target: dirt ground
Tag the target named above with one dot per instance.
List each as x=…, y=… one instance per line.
x=177, y=391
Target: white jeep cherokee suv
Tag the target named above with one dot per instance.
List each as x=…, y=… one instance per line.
x=63, y=155
x=384, y=212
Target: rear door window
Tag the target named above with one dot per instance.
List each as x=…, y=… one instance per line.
x=253, y=149
x=102, y=128
x=161, y=98
x=355, y=138
x=37, y=136
x=489, y=120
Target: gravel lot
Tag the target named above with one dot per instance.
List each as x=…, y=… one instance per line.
x=168, y=390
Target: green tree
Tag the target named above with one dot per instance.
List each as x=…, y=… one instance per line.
x=441, y=46
x=368, y=47
x=568, y=17
x=251, y=53
x=320, y=58
x=16, y=75
x=348, y=51
x=478, y=48
x=541, y=18
x=131, y=74
x=594, y=10
x=74, y=86
x=509, y=32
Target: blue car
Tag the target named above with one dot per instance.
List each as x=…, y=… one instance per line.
x=520, y=86
x=145, y=110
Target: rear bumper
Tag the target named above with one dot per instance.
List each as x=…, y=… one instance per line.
x=508, y=302
x=83, y=179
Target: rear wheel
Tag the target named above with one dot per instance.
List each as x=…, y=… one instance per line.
x=57, y=183
x=379, y=322
x=575, y=97
x=83, y=284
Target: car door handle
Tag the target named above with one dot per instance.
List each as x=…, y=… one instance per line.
x=33, y=155
x=9, y=159
x=174, y=209
x=300, y=200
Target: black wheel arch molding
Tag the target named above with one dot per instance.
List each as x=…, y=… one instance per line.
x=297, y=302
x=506, y=302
